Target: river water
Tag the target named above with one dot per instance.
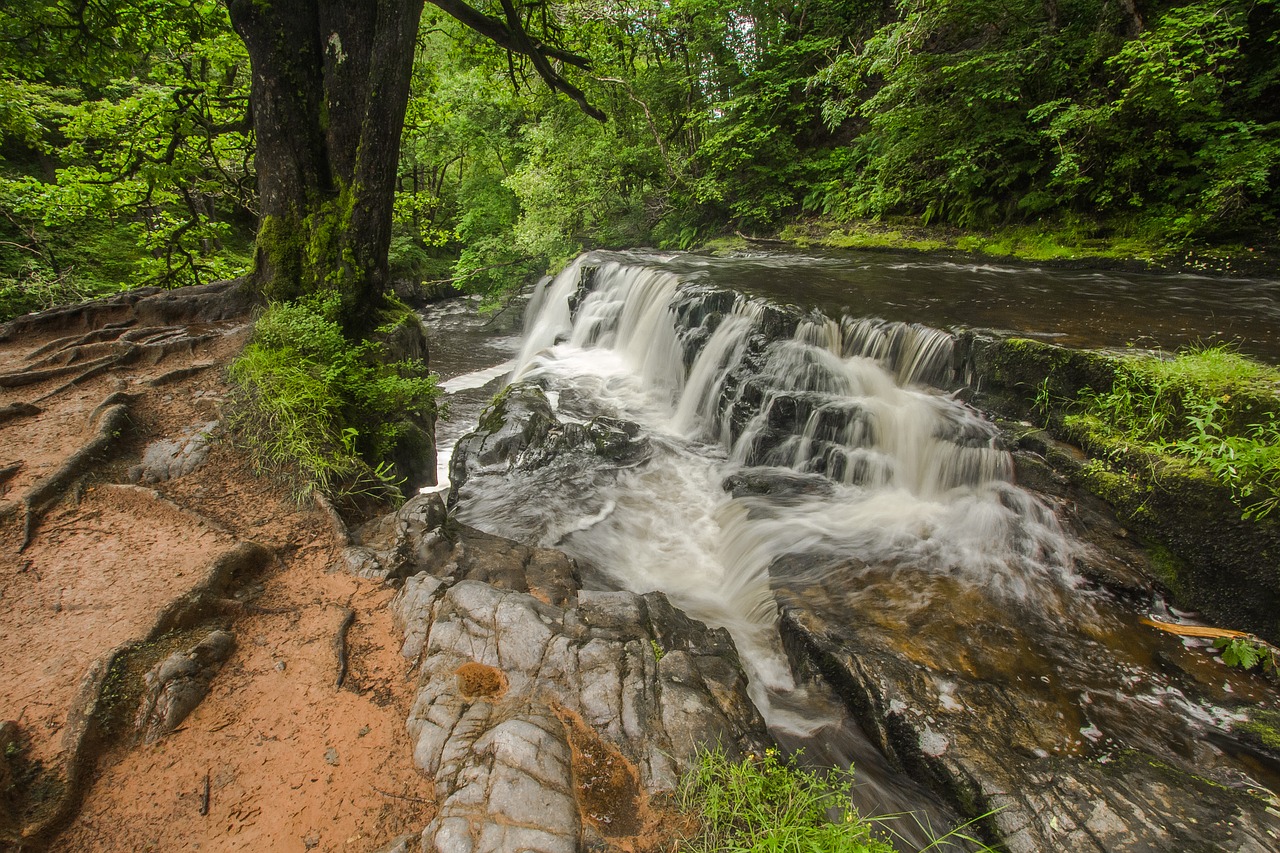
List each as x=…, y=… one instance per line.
x=832, y=447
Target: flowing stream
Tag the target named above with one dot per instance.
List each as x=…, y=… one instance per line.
x=823, y=442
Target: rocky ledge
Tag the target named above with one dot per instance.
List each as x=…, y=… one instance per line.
x=1060, y=725
x=551, y=718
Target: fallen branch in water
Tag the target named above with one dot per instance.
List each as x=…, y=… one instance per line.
x=1194, y=630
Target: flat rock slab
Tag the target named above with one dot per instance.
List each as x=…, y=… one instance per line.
x=1021, y=713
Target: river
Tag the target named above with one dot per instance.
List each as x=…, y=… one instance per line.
x=824, y=471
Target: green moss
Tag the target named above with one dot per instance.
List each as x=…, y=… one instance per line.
x=493, y=417
x=309, y=254
x=124, y=684
x=1061, y=243
x=1170, y=568
x=1265, y=726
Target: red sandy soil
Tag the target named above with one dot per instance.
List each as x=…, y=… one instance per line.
x=292, y=761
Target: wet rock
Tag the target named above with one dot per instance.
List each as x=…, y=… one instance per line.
x=1020, y=714
x=421, y=537
x=393, y=545
x=506, y=681
x=778, y=483
x=519, y=417
x=413, y=458
x=1112, y=556
x=176, y=685
x=170, y=458
x=520, y=431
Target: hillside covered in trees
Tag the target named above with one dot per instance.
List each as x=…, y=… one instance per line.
x=127, y=151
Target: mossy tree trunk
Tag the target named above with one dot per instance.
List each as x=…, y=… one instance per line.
x=328, y=98
x=329, y=93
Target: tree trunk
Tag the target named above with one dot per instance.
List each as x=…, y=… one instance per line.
x=329, y=92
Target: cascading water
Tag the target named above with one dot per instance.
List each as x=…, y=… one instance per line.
x=793, y=460
x=892, y=470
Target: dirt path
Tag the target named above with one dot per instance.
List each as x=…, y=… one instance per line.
x=94, y=559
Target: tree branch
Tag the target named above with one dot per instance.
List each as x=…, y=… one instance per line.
x=512, y=36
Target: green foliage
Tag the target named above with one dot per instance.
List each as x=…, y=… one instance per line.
x=1208, y=407
x=767, y=803
x=120, y=124
x=311, y=398
x=974, y=114
x=1246, y=653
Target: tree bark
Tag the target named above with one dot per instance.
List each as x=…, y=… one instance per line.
x=328, y=97
x=329, y=92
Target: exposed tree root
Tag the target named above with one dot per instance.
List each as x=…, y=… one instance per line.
x=340, y=645
x=31, y=377
x=96, y=707
x=109, y=349
x=7, y=472
x=109, y=332
x=206, y=303
x=91, y=373
x=17, y=410
x=75, y=355
x=179, y=374
x=111, y=425
x=336, y=524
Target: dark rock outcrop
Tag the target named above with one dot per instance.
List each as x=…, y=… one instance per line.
x=992, y=709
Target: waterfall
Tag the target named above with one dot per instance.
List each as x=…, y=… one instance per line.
x=776, y=458
x=838, y=414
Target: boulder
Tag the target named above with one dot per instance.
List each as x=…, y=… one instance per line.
x=547, y=715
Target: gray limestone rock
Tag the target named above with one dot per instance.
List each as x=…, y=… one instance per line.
x=169, y=458
x=507, y=682
x=176, y=685
x=394, y=546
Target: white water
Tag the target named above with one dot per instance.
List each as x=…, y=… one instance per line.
x=903, y=476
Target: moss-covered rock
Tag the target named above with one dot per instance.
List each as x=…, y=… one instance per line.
x=1200, y=548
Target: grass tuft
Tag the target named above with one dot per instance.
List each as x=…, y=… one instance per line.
x=769, y=803
x=311, y=398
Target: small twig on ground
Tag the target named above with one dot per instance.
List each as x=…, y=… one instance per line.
x=204, y=798
x=401, y=796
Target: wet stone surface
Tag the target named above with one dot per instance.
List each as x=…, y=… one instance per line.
x=991, y=716
x=511, y=656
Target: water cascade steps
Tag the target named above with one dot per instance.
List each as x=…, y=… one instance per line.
x=815, y=486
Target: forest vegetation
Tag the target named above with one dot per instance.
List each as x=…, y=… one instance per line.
x=127, y=153
x=478, y=147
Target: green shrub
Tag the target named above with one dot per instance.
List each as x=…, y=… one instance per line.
x=311, y=397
